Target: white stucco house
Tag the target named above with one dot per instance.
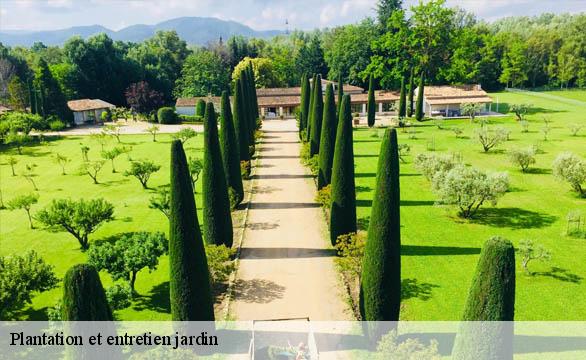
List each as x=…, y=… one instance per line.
x=446, y=100
x=88, y=111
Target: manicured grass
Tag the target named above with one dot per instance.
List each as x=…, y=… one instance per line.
x=131, y=211
x=440, y=251
x=570, y=94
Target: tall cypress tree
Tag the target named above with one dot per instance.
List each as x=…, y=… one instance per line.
x=310, y=111
x=84, y=298
x=200, y=108
x=486, y=331
x=240, y=123
x=327, y=140
x=246, y=111
x=380, y=290
x=250, y=98
x=254, y=97
x=316, y=117
x=189, y=284
x=340, y=94
x=229, y=147
x=419, y=106
x=371, y=102
x=343, y=207
x=217, y=221
x=305, y=92
x=410, y=109
x=403, y=100
x=32, y=97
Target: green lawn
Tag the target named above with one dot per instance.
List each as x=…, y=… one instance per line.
x=440, y=251
x=570, y=94
x=131, y=211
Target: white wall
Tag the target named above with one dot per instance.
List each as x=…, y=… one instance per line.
x=185, y=110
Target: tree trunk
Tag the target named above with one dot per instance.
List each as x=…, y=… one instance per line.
x=30, y=219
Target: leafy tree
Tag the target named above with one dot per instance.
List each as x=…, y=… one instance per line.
x=263, y=72
x=19, y=140
x=343, y=209
x=316, y=117
x=153, y=130
x=522, y=157
x=203, y=73
x=384, y=10
x=160, y=201
x=310, y=58
x=419, y=113
x=190, y=292
x=489, y=138
x=200, y=108
x=531, y=252
x=216, y=204
x=371, y=103
x=111, y=155
x=166, y=115
x=402, y=100
x=430, y=164
x=520, y=110
x=12, y=161
x=84, y=152
x=84, y=298
x=62, y=160
x=29, y=174
x=229, y=150
x=572, y=169
x=18, y=94
x=470, y=110
x=52, y=99
x=514, y=63
x=20, y=277
x=469, y=188
x=24, y=202
x=328, y=139
x=101, y=138
x=380, y=290
x=79, y=218
x=240, y=123
x=129, y=254
x=184, y=134
x=195, y=168
x=142, y=99
x=142, y=171
x=92, y=169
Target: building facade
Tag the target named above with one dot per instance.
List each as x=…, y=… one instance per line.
x=446, y=100
x=88, y=111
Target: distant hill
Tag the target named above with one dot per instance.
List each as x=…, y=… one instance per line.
x=194, y=30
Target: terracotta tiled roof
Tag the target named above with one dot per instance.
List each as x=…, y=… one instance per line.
x=459, y=100
x=379, y=96
x=444, y=95
x=88, y=104
x=292, y=91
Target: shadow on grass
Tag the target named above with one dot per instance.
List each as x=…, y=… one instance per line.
x=363, y=189
x=513, y=218
x=30, y=314
x=538, y=171
x=368, y=203
x=364, y=175
x=156, y=300
x=504, y=109
x=560, y=274
x=412, y=288
x=423, y=250
x=365, y=156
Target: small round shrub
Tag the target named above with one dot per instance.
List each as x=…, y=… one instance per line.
x=166, y=115
x=56, y=125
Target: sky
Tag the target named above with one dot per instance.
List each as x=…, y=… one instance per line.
x=258, y=14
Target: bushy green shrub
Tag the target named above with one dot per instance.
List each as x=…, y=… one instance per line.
x=167, y=115
x=220, y=262
x=191, y=118
x=56, y=125
x=119, y=296
x=84, y=298
x=522, y=158
x=430, y=164
x=324, y=196
x=572, y=169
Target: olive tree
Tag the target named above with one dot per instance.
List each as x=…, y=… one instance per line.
x=489, y=138
x=92, y=169
x=113, y=130
x=29, y=174
x=79, y=218
x=153, y=130
x=575, y=129
x=470, y=110
x=569, y=167
x=24, y=202
x=184, y=134
x=530, y=252
x=522, y=157
x=468, y=188
x=20, y=277
x=128, y=254
x=160, y=201
x=430, y=164
x=142, y=170
x=62, y=160
x=12, y=161
x=520, y=110
x=111, y=155
x=195, y=168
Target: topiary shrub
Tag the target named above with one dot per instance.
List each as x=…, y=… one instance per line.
x=84, y=298
x=229, y=149
x=166, y=115
x=200, y=108
x=327, y=140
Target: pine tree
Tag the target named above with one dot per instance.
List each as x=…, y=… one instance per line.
x=217, y=221
x=84, y=298
x=402, y=100
x=419, y=106
x=189, y=285
x=229, y=147
x=305, y=92
x=310, y=112
x=240, y=123
x=327, y=140
x=343, y=208
x=371, y=102
x=340, y=95
x=380, y=289
x=486, y=331
x=316, y=118
x=52, y=99
x=410, y=104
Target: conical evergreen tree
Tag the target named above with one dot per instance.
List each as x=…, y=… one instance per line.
x=305, y=92
x=328, y=139
x=246, y=111
x=486, y=331
x=340, y=94
x=84, y=298
x=229, y=147
x=410, y=109
x=310, y=112
x=217, y=221
x=240, y=123
x=403, y=100
x=251, y=109
x=200, y=108
x=371, y=102
x=254, y=97
x=419, y=106
x=316, y=117
x=380, y=290
x=343, y=208
x=189, y=285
